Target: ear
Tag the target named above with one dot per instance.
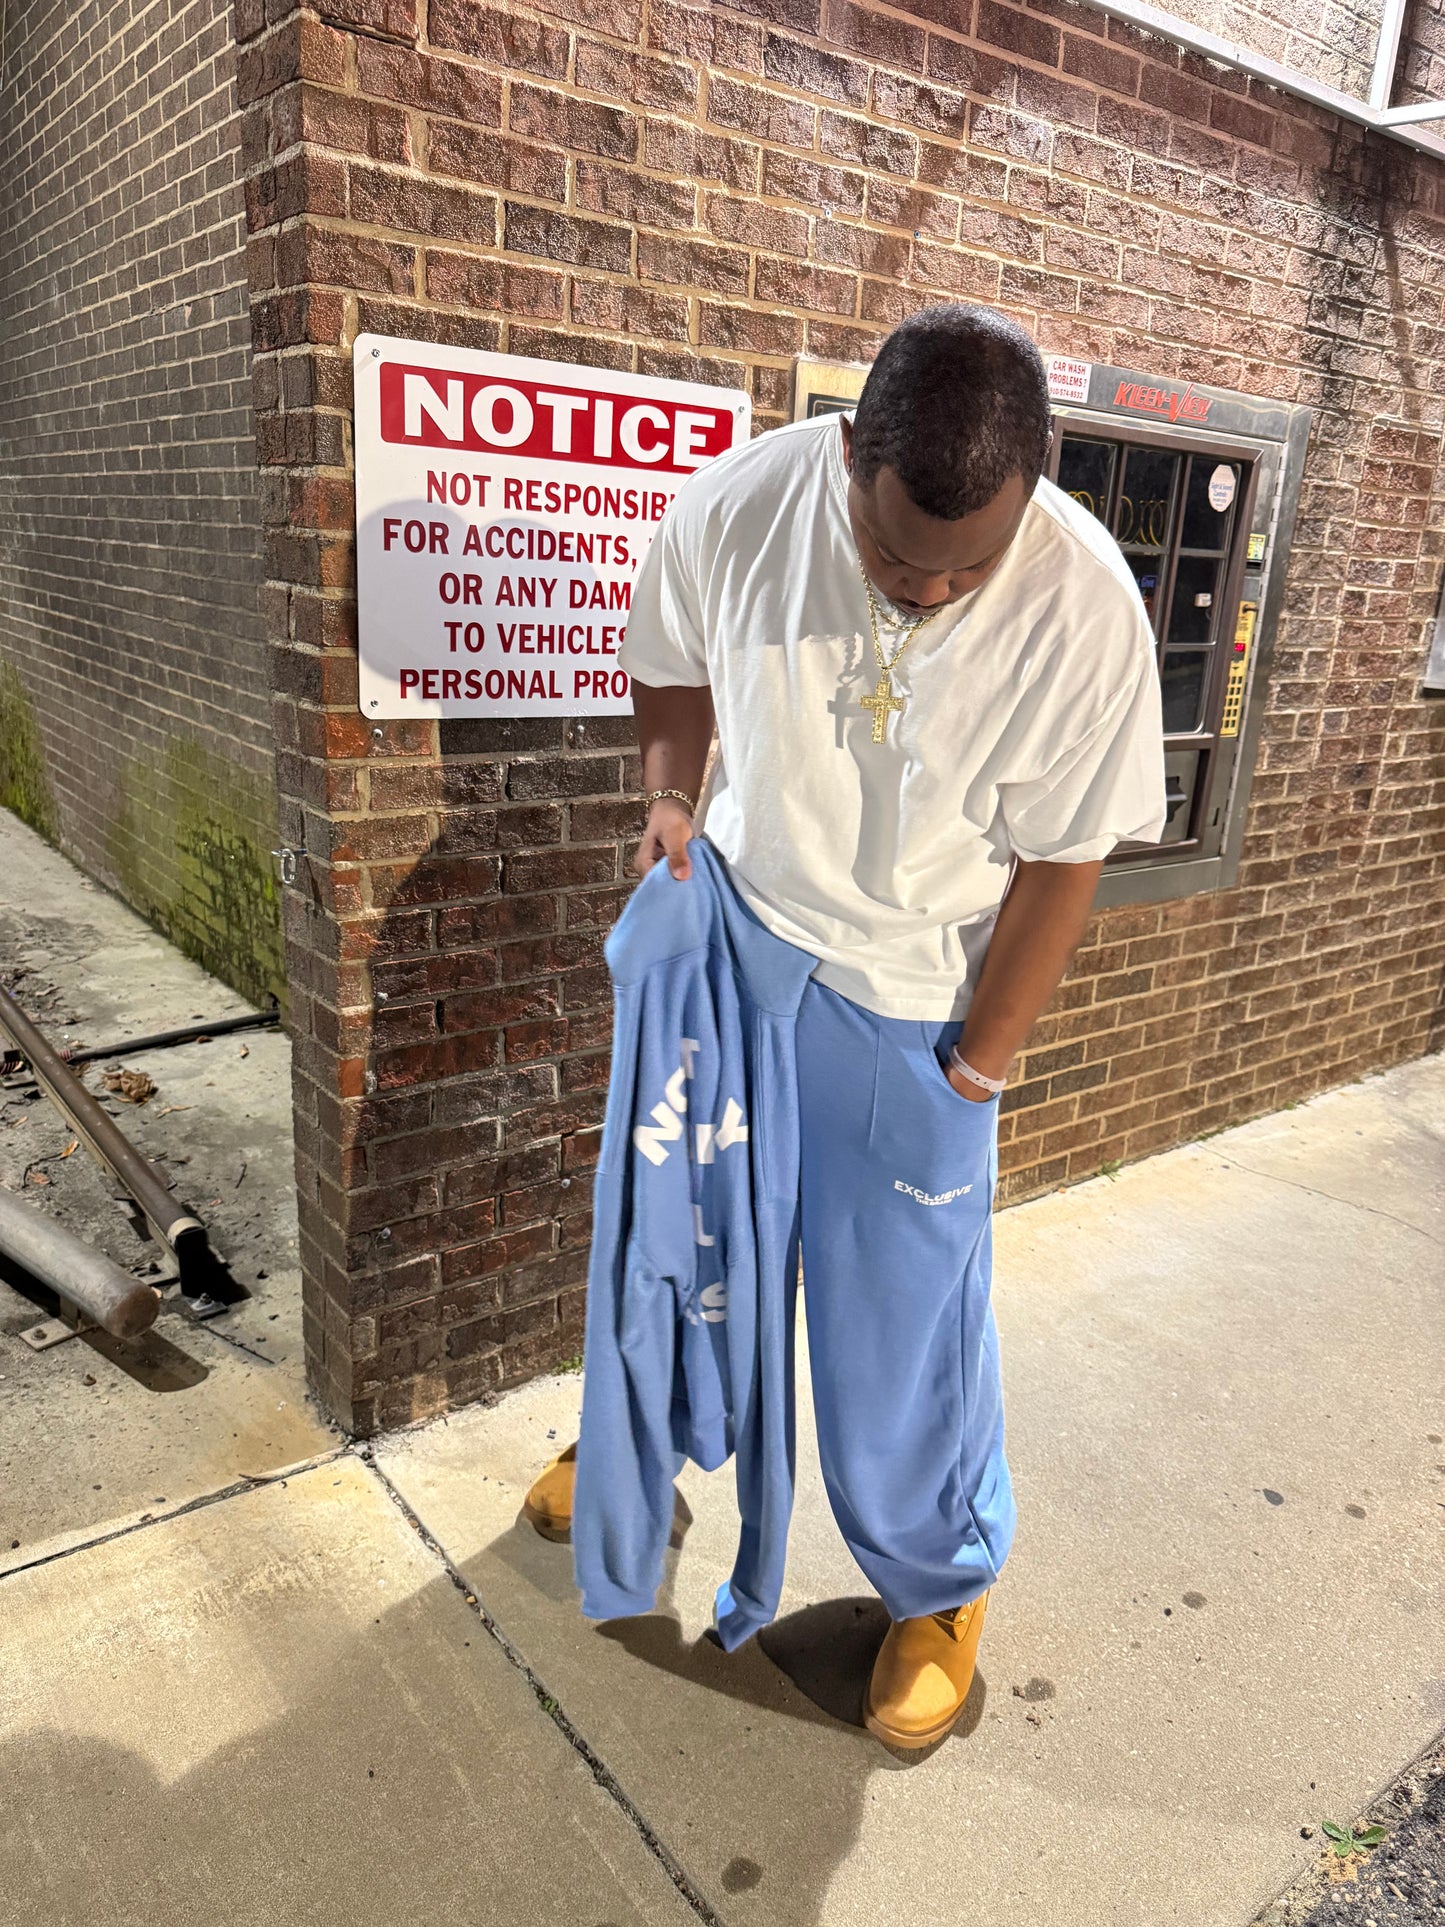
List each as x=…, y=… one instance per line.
x=847, y=428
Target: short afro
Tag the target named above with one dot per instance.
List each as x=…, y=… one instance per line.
x=956, y=404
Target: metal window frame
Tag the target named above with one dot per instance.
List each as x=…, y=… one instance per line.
x=1403, y=124
x=1274, y=436
x=1188, y=445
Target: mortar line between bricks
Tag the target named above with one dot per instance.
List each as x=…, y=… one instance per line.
x=552, y=1707
x=199, y=1504
x=1313, y=1191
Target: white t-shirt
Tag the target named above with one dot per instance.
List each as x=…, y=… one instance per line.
x=1031, y=724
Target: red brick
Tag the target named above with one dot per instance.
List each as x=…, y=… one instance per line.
x=559, y=869
x=581, y=126
x=970, y=69
x=1179, y=95
x=682, y=364
x=892, y=204
x=848, y=244
x=931, y=109
x=692, y=264
x=667, y=84
x=548, y=345
x=749, y=330
x=887, y=149
x=804, y=15
x=1101, y=65
x=728, y=218
x=1057, y=101
x=563, y=237
x=882, y=39
x=311, y=253
x=697, y=34
x=787, y=177
x=1009, y=133
x=1242, y=119
x=806, y=287
x=315, y=114
x=392, y=19
x=426, y=324
x=464, y=280
x=1233, y=259
x=1020, y=32
x=381, y=198
x=810, y=70
x=688, y=153
x=628, y=195
x=496, y=160
x=302, y=49
x=764, y=116
x=498, y=34
x=629, y=310
x=439, y=86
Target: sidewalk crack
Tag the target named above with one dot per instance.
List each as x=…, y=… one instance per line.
x=1314, y=1191
x=551, y=1706
x=248, y=1482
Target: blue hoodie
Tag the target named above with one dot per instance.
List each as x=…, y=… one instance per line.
x=692, y=1279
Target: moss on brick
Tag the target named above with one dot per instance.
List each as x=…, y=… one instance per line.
x=24, y=784
x=191, y=846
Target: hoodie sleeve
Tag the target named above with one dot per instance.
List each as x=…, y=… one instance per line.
x=626, y=1461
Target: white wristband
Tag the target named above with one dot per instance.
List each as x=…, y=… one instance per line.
x=991, y=1084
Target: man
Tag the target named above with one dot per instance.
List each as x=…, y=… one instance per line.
x=937, y=707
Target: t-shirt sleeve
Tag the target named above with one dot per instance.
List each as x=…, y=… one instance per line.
x=664, y=644
x=1105, y=788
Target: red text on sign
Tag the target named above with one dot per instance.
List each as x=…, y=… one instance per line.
x=436, y=408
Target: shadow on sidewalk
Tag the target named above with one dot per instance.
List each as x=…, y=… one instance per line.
x=364, y=1800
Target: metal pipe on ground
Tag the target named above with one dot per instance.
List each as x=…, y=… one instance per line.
x=203, y=1277
x=108, y=1296
x=156, y=1040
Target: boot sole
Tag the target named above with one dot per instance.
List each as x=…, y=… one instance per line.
x=910, y=1742
x=545, y=1525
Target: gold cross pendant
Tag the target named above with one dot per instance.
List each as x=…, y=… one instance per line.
x=882, y=702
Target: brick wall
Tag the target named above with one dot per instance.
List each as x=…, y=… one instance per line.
x=1331, y=41
x=134, y=710
x=694, y=191
x=1420, y=74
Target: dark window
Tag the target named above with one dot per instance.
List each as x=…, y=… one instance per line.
x=1175, y=511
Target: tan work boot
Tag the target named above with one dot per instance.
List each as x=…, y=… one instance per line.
x=549, y=1503
x=922, y=1675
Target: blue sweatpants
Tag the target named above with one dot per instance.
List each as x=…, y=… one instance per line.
x=898, y=1175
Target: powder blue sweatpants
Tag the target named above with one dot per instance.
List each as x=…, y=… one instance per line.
x=898, y=1175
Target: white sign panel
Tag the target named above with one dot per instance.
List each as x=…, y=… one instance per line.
x=502, y=508
x=1068, y=379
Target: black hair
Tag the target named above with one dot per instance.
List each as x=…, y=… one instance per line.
x=956, y=403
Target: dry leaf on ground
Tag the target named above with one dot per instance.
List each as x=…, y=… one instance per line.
x=134, y=1087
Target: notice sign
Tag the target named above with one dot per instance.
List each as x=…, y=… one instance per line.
x=502, y=508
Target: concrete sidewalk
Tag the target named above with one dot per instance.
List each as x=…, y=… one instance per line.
x=366, y=1692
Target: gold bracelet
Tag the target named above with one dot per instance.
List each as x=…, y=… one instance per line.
x=658, y=796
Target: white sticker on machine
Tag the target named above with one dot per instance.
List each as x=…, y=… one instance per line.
x=1068, y=378
x=1221, y=487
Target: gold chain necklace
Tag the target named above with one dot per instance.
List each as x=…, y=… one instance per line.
x=883, y=702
